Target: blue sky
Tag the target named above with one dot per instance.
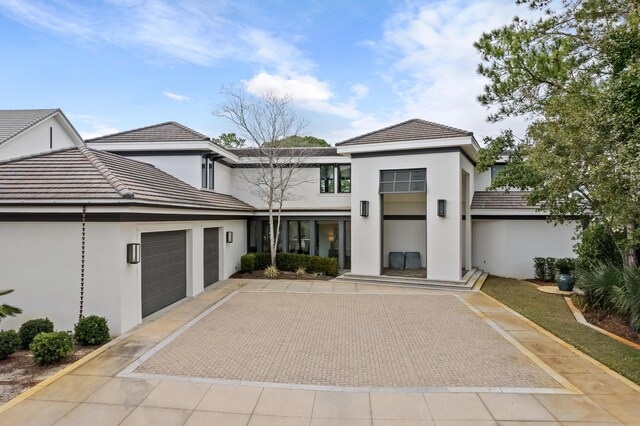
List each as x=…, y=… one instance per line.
x=349, y=66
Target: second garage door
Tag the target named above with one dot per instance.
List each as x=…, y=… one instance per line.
x=163, y=260
x=211, y=256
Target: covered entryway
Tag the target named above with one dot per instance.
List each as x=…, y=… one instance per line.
x=164, y=269
x=211, y=257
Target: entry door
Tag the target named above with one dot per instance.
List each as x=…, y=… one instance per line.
x=163, y=262
x=211, y=256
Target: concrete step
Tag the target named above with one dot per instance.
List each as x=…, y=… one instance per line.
x=470, y=281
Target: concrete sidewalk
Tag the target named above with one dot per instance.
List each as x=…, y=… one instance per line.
x=92, y=394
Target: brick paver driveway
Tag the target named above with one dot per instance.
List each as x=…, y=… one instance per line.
x=347, y=340
x=400, y=331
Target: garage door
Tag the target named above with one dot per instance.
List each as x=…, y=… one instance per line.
x=163, y=260
x=211, y=256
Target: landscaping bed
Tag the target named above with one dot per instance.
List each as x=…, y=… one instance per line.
x=613, y=323
x=19, y=372
x=282, y=275
x=552, y=313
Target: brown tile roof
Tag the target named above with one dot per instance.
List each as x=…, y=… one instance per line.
x=86, y=174
x=500, y=200
x=414, y=129
x=163, y=132
x=15, y=121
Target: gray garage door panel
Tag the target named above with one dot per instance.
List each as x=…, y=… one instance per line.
x=163, y=260
x=211, y=256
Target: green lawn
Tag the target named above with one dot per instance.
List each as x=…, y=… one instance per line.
x=552, y=313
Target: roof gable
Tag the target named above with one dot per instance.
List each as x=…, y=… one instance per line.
x=163, y=132
x=410, y=130
x=16, y=121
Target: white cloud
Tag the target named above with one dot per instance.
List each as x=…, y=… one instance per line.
x=176, y=97
x=90, y=126
x=360, y=90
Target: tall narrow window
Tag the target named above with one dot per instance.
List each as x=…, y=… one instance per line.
x=207, y=172
x=326, y=179
x=344, y=178
x=495, y=170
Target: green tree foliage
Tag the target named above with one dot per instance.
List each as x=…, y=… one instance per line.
x=8, y=310
x=229, y=140
x=574, y=72
x=302, y=142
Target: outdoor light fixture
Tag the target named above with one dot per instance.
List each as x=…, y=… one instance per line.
x=364, y=208
x=229, y=237
x=442, y=208
x=133, y=253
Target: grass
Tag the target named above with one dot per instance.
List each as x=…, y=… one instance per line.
x=552, y=313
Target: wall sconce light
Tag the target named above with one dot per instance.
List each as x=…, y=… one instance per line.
x=133, y=253
x=229, y=236
x=442, y=208
x=364, y=208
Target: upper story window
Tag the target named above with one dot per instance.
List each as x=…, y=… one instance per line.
x=495, y=170
x=408, y=180
x=207, y=172
x=328, y=182
x=344, y=178
x=327, y=179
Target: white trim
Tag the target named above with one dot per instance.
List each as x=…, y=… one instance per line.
x=407, y=145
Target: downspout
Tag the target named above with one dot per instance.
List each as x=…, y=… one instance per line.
x=82, y=260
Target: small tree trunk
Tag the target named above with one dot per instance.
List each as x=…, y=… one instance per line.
x=630, y=259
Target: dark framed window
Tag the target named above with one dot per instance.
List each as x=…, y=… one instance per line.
x=299, y=236
x=344, y=178
x=207, y=172
x=327, y=181
x=402, y=181
x=495, y=170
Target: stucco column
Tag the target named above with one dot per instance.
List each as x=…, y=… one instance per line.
x=284, y=235
x=341, y=243
x=312, y=237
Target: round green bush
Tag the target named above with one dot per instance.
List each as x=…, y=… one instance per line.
x=92, y=330
x=32, y=328
x=51, y=347
x=9, y=343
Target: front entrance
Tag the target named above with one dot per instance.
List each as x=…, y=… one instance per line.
x=211, y=256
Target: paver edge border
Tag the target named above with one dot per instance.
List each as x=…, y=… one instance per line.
x=577, y=314
x=566, y=345
x=68, y=369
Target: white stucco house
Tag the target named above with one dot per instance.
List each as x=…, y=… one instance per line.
x=147, y=217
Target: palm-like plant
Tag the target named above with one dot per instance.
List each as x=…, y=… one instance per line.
x=598, y=282
x=625, y=297
x=8, y=310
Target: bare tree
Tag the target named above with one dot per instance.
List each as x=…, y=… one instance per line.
x=266, y=122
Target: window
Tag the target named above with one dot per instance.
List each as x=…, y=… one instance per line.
x=495, y=170
x=409, y=180
x=207, y=172
x=299, y=236
x=344, y=178
x=326, y=179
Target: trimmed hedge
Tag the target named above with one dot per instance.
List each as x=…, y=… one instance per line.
x=290, y=262
x=30, y=329
x=92, y=330
x=52, y=347
x=9, y=343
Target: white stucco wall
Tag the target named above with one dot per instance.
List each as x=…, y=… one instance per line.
x=507, y=247
x=482, y=180
x=443, y=234
x=222, y=176
x=187, y=168
x=36, y=140
x=41, y=262
x=306, y=194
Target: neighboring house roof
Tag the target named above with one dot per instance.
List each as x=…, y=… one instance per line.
x=15, y=121
x=288, y=152
x=500, y=200
x=414, y=129
x=163, y=132
x=101, y=177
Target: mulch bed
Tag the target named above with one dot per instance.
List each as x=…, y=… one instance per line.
x=612, y=323
x=283, y=275
x=18, y=372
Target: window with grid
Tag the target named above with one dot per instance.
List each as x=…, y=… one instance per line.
x=326, y=179
x=403, y=181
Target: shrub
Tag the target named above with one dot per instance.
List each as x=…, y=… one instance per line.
x=596, y=246
x=551, y=268
x=565, y=265
x=32, y=328
x=271, y=272
x=324, y=265
x=625, y=297
x=263, y=260
x=92, y=330
x=597, y=284
x=248, y=262
x=51, y=347
x=540, y=268
x=301, y=271
x=9, y=343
